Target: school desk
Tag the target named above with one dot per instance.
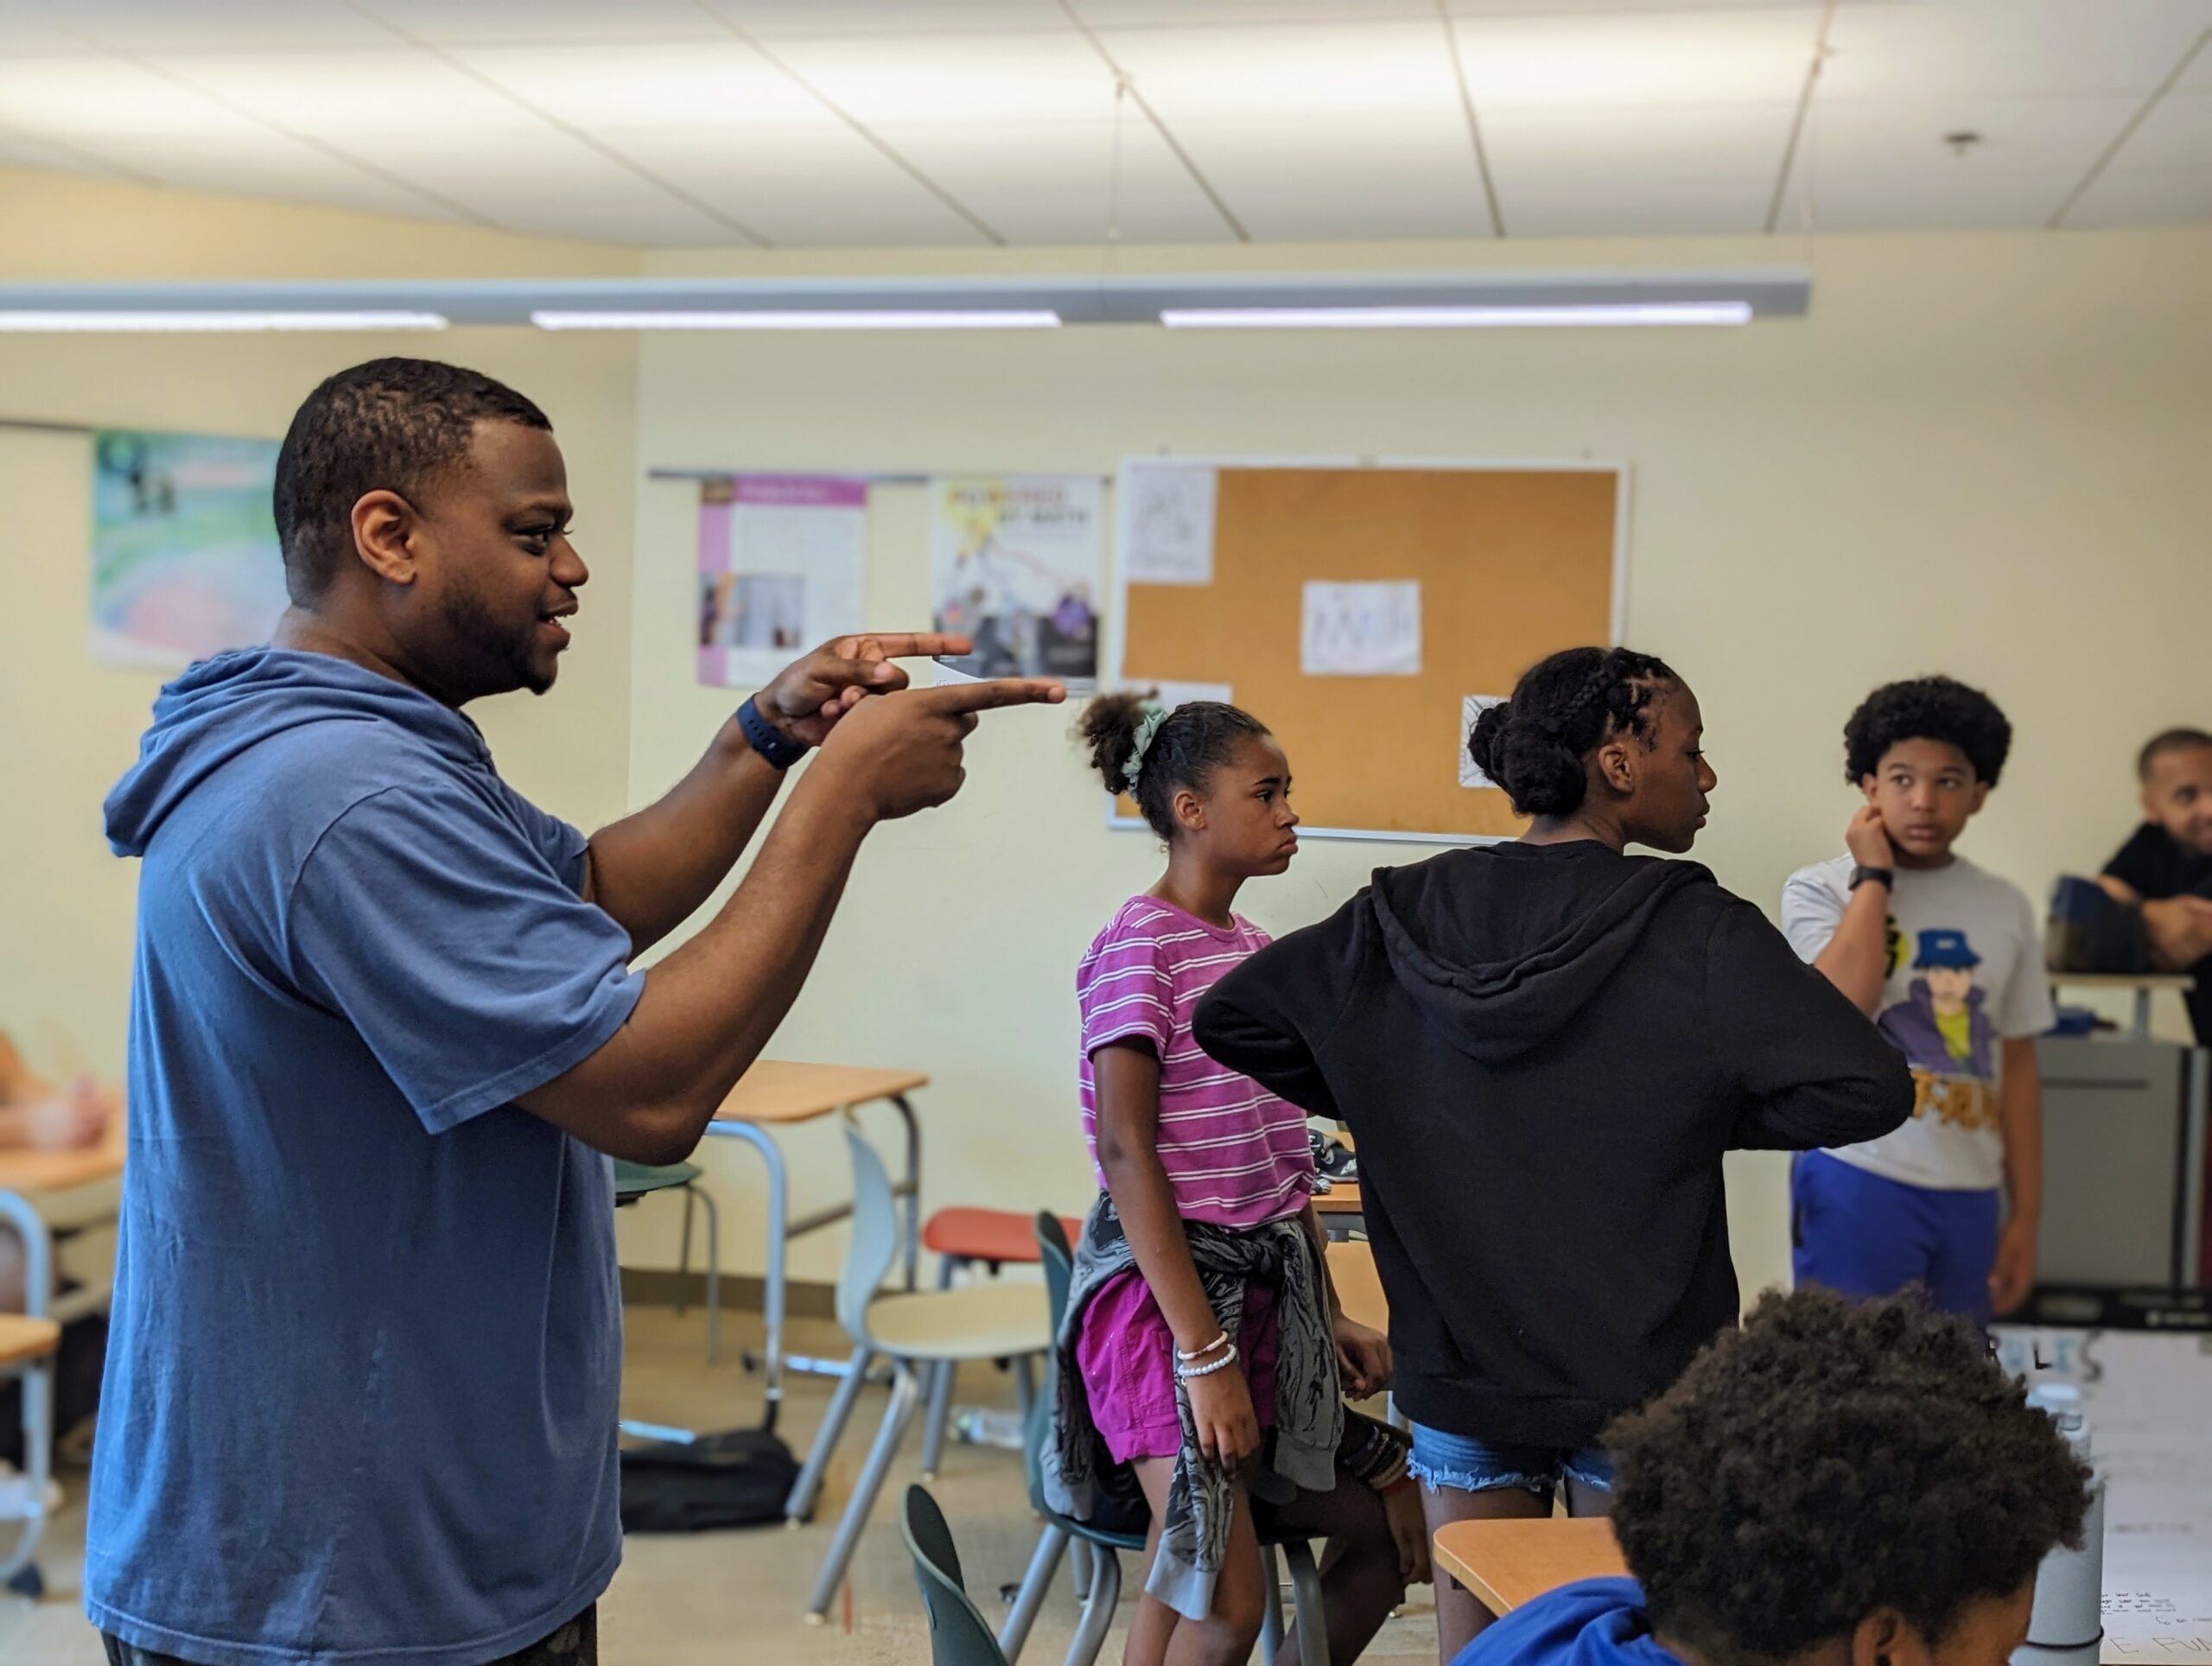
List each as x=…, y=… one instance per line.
x=61, y=1171
x=2141, y=985
x=1340, y=1209
x=778, y=1093
x=1507, y=1563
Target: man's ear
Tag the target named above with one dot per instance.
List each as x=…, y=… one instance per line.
x=384, y=527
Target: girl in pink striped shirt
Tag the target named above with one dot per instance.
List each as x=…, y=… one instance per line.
x=1181, y=1143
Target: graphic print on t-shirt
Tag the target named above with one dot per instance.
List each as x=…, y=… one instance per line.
x=1943, y=1029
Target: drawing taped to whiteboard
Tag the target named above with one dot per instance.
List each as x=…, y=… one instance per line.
x=1166, y=522
x=1472, y=707
x=1360, y=630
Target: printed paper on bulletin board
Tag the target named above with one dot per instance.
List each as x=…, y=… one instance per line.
x=1513, y=561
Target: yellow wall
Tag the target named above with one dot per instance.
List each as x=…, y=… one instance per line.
x=68, y=727
x=1982, y=454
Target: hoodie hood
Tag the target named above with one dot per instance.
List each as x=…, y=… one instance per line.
x=1501, y=945
x=1600, y=1622
x=224, y=707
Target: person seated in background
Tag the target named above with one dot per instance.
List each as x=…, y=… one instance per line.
x=36, y=1115
x=1837, y=1483
x=2165, y=868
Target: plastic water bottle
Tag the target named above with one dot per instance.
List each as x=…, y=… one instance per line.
x=2067, y=1623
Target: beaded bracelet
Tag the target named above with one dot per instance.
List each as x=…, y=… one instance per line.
x=1185, y=1373
x=1200, y=1353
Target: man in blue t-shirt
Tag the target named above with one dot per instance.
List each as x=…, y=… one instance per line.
x=385, y=1035
x=1837, y=1483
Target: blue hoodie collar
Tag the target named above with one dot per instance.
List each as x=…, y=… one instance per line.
x=225, y=706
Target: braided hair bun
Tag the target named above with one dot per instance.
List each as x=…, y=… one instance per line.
x=1535, y=745
x=1185, y=748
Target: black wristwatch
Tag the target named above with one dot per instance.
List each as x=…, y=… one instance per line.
x=777, y=748
x=1884, y=877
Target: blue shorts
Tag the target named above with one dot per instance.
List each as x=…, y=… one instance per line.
x=1465, y=1465
x=1864, y=1235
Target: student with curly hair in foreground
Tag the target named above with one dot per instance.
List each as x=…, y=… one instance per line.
x=1834, y=1484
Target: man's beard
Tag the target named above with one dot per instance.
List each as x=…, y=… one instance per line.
x=499, y=655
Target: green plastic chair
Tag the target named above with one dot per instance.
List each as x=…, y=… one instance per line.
x=636, y=1180
x=958, y=1634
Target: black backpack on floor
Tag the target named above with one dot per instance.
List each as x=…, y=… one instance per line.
x=740, y=1479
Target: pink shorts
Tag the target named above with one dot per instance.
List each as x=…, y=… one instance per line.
x=1127, y=1355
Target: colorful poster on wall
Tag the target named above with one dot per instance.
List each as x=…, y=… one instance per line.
x=185, y=561
x=1016, y=564
x=782, y=561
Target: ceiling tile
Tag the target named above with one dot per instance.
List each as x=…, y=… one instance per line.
x=25, y=150
x=606, y=88
x=525, y=22
x=1745, y=56
x=1672, y=208
x=2020, y=48
x=269, y=165
x=1055, y=182
x=2177, y=133
x=1564, y=8
x=1905, y=136
x=395, y=90
x=1833, y=198
x=1715, y=142
x=2146, y=196
x=1245, y=14
x=1295, y=73
x=1344, y=176
x=149, y=27
x=84, y=98
x=776, y=19
x=642, y=218
x=932, y=78
x=801, y=186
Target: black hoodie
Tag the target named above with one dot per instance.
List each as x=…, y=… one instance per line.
x=1543, y=1051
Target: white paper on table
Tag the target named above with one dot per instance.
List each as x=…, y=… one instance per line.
x=1363, y=629
x=1472, y=706
x=1164, y=522
x=2143, y=1398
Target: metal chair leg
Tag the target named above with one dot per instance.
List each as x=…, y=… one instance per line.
x=1312, y=1621
x=1270, y=1604
x=17, y=1570
x=896, y=1416
x=1098, y=1609
x=934, y=1420
x=1044, y=1562
x=1080, y=1558
x=684, y=1258
x=801, y=1503
x=1025, y=1385
x=713, y=1275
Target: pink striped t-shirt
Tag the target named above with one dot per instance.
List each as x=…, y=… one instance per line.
x=1236, y=1155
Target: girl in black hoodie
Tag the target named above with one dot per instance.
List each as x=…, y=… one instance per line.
x=1544, y=1047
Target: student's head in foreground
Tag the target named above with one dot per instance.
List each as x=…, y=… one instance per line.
x=2175, y=769
x=1207, y=776
x=1608, y=735
x=422, y=509
x=1843, y=1483
x=1926, y=752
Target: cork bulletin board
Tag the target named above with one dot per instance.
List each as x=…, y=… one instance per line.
x=1357, y=610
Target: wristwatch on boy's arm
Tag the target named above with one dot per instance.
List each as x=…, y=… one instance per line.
x=1884, y=877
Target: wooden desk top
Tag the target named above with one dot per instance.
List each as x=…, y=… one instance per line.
x=779, y=1090
x=57, y=1171
x=1359, y=1287
x=2181, y=982
x=1508, y=1563
x=1342, y=1199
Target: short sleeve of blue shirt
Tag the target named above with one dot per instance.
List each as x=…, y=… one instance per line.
x=435, y=923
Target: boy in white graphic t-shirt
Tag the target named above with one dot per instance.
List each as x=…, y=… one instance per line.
x=1947, y=959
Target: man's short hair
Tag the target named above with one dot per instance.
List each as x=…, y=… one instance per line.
x=2169, y=740
x=1927, y=708
x=392, y=424
x=1829, y=1460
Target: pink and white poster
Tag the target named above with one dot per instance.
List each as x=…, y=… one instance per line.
x=782, y=561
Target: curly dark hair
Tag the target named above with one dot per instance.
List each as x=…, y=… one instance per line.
x=1195, y=739
x=1927, y=708
x=394, y=424
x=1831, y=1458
x=1562, y=709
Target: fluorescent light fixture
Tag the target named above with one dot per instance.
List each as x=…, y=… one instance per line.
x=1442, y=318
x=907, y=318
x=79, y=320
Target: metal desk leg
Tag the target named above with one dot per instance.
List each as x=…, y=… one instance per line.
x=772, y=1299
x=913, y=1188
x=17, y=1570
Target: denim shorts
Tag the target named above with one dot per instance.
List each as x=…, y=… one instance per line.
x=1439, y=1460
